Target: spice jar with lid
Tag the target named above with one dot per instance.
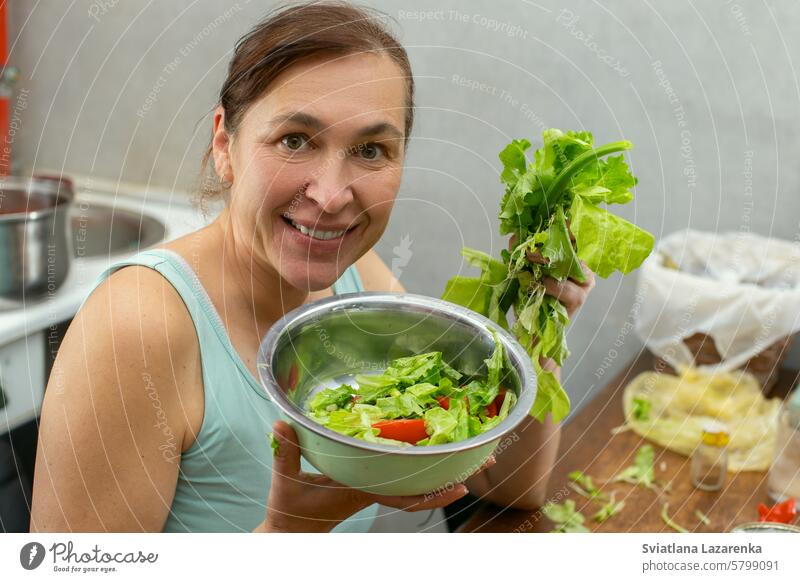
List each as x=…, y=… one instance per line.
x=710, y=458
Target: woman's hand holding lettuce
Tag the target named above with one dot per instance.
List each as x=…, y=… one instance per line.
x=547, y=202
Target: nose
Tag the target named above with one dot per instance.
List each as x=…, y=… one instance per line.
x=329, y=186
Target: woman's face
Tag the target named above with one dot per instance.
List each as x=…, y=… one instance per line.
x=315, y=165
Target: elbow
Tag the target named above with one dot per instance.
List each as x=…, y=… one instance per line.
x=524, y=505
x=533, y=501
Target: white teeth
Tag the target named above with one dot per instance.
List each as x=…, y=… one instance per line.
x=318, y=234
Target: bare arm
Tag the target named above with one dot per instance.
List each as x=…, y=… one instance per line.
x=520, y=476
x=112, y=426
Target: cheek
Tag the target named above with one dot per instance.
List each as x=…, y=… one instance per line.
x=272, y=184
x=379, y=192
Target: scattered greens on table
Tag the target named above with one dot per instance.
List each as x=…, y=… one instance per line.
x=565, y=518
x=583, y=484
x=417, y=400
x=558, y=194
x=642, y=471
x=669, y=521
x=609, y=509
x=704, y=519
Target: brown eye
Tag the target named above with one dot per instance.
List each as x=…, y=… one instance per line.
x=370, y=151
x=294, y=141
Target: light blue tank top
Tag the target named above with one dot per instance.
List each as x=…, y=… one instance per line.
x=225, y=475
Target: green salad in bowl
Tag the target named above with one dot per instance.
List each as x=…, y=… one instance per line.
x=419, y=400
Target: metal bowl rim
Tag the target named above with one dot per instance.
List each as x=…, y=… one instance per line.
x=516, y=354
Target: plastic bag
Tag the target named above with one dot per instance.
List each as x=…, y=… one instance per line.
x=740, y=289
x=671, y=411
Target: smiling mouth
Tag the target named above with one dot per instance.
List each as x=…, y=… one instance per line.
x=317, y=234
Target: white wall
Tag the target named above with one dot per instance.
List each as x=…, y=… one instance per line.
x=88, y=68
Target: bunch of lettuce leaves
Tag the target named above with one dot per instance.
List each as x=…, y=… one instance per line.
x=548, y=202
x=414, y=387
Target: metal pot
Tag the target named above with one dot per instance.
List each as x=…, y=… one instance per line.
x=35, y=238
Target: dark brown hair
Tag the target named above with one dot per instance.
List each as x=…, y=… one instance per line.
x=290, y=34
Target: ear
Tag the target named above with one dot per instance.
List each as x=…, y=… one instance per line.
x=221, y=144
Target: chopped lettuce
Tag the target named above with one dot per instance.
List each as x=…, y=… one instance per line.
x=274, y=444
x=552, y=205
x=642, y=472
x=609, y=509
x=331, y=399
x=565, y=517
x=422, y=387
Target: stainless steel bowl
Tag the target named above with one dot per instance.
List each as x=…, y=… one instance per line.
x=35, y=241
x=325, y=343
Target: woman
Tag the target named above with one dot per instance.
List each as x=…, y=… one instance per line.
x=153, y=419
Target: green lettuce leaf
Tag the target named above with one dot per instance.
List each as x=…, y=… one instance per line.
x=550, y=397
x=441, y=425
x=607, y=242
x=558, y=249
x=514, y=162
x=608, y=181
x=545, y=203
x=331, y=398
x=471, y=292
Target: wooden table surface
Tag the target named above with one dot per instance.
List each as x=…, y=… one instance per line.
x=587, y=444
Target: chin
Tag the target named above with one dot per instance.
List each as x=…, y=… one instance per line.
x=309, y=277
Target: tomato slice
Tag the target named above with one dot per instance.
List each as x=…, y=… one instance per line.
x=408, y=430
x=494, y=407
x=444, y=402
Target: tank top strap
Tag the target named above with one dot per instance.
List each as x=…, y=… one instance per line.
x=207, y=322
x=349, y=282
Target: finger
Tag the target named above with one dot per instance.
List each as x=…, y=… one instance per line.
x=287, y=456
x=536, y=257
x=512, y=242
x=568, y=292
x=442, y=497
x=588, y=276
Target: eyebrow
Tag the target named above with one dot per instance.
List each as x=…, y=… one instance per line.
x=317, y=125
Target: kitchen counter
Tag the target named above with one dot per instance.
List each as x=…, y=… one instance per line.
x=171, y=208
x=587, y=444
x=30, y=334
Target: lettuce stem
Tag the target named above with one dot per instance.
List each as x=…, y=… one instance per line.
x=556, y=189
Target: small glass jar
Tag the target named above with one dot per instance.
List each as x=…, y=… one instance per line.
x=784, y=474
x=710, y=458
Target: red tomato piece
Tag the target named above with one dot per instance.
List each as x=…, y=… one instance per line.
x=494, y=407
x=408, y=430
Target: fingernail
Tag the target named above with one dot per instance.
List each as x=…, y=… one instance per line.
x=464, y=490
x=492, y=461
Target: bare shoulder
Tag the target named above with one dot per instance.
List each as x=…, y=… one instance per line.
x=376, y=275
x=138, y=315
x=138, y=309
x=114, y=418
